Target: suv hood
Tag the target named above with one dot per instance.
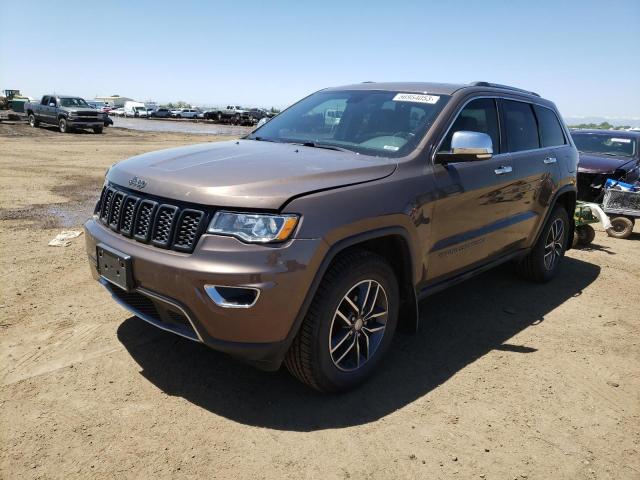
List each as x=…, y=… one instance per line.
x=245, y=173
x=593, y=163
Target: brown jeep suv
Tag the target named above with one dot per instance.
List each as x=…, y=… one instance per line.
x=312, y=239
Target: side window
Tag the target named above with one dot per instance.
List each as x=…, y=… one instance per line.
x=45, y=101
x=479, y=115
x=53, y=100
x=521, y=126
x=551, y=134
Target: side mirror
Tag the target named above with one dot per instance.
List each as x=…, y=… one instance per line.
x=467, y=146
x=52, y=104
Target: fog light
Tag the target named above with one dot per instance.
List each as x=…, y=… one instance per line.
x=232, y=297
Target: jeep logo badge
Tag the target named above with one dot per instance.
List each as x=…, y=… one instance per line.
x=138, y=182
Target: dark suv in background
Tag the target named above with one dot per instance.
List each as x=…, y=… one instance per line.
x=310, y=240
x=605, y=154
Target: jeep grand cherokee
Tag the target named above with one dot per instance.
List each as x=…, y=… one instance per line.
x=310, y=240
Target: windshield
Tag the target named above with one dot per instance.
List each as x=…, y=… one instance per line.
x=373, y=122
x=73, y=102
x=140, y=109
x=605, y=144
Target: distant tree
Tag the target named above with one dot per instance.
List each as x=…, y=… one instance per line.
x=598, y=126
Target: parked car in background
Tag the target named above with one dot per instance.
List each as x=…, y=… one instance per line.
x=257, y=114
x=320, y=241
x=118, y=112
x=98, y=105
x=161, y=113
x=605, y=154
x=233, y=114
x=135, y=109
x=66, y=112
x=186, y=113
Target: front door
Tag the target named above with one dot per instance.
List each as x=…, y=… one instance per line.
x=473, y=208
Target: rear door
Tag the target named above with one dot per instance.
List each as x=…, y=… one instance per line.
x=535, y=170
x=473, y=209
x=42, y=110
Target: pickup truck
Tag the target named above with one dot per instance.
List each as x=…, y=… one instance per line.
x=233, y=114
x=66, y=112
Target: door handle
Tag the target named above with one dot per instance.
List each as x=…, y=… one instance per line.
x=503, y=169
x=550, y=160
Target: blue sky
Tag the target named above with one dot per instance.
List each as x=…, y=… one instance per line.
x=581, y=54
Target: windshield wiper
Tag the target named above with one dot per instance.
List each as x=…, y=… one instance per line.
x=328, y=147
x=264, y=139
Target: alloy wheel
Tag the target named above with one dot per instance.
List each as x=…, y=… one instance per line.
x=554, y=244
x=358, y=325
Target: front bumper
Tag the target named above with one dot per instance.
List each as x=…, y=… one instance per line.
x=84, y=123
x=259, y=334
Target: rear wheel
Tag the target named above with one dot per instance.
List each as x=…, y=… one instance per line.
x=349, y=326
x=63, y=126
x=585, y=234
x=621, y=227
x=32, y=121
x=543, y=262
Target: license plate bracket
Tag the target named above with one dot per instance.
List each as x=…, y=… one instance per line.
x=114, y=267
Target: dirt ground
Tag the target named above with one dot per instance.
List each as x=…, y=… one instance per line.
x=505, y=380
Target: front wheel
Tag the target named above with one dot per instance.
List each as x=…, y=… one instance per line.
x=543, y=262
x=97, y=129
x=621, y=227
x=349, y=325
x=63, y=126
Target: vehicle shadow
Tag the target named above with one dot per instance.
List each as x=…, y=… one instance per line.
x=459, y=326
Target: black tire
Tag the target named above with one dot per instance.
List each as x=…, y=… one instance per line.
x=538, y=265
x=310, y=358
x=585, y=234
x=621, y=227
x=97, y=129
x=63, y=126
x=32, y=121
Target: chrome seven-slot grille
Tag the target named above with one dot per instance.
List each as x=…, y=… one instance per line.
x=150, y=221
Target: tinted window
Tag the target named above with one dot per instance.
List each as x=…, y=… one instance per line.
x=551, y=133
x=522, y=130
x=477, y=116
x=45, y=100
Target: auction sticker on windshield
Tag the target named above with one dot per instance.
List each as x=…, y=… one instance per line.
x=621, y=140
x=416, y=98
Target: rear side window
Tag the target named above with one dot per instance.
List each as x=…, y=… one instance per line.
x=521, y=126
x=478, y=115
x=551, y=134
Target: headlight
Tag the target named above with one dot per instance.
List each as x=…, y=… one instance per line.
x=253, y=227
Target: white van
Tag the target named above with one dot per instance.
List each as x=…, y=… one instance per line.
x=135, y=109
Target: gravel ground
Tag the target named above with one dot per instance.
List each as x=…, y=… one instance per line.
x=505, y=379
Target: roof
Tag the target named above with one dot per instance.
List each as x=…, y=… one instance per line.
x=433, y=88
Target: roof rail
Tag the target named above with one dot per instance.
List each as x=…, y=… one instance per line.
x=505, y=87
